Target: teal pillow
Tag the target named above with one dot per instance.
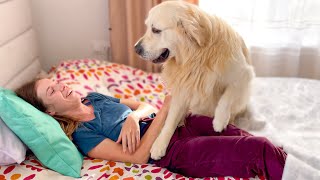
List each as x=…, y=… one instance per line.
x=41, y=133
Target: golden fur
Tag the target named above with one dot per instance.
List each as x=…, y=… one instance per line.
x=208, y=70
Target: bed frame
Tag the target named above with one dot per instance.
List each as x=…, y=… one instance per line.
x=19, y=56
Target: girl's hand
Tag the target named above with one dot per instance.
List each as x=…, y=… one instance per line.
x=130, y=134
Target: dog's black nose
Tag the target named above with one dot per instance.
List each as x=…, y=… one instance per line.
x=138, y=48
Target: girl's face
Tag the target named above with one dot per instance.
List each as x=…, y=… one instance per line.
x=57, y=97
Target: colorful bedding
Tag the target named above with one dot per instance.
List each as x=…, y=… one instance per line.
x=112, y=79
x=118, y=80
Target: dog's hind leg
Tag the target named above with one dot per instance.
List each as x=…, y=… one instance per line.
x=250, y=120
x=177, y=112
x=233, y=100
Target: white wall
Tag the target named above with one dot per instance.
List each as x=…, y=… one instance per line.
x=70, y=29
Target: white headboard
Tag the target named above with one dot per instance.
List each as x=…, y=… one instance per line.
x=19, y=58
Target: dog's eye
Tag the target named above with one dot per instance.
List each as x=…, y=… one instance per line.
x=156, y=31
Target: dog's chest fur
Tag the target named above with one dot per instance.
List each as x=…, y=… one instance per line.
x=200, y=88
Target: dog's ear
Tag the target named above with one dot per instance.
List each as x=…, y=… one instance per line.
x=195, y=25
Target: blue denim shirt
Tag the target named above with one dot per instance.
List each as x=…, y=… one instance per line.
x=110, y=115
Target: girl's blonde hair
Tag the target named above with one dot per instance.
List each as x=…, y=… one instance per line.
x=28, y=92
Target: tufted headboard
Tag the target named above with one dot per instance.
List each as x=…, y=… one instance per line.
x=19, y=58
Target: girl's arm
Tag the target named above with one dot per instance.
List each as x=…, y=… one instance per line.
x=141, y=109
x=111, y=150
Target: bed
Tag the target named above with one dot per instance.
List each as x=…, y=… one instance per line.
x=121, y=81
x=277, y=101
x=288, y=106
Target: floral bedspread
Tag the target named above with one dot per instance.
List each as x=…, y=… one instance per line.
x=112, y=79
x=96, y=169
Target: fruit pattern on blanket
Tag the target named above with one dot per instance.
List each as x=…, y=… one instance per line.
x=117, y=80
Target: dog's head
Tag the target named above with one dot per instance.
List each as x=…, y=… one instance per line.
x=172, y=25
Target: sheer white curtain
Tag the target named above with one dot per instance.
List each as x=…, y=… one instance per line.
x=283, y=35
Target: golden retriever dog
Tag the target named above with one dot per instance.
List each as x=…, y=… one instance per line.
x=206, y=65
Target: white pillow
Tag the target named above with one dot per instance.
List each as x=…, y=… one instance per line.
x=12, y=150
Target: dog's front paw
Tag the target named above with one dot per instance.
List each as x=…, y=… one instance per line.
x=158, y=149
x=220, y=121
x=218, y=126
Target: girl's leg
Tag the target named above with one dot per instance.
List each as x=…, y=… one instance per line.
x=237, y=156
x=198, y=125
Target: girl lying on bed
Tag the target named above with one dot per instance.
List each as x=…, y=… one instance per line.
x=108, y=128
